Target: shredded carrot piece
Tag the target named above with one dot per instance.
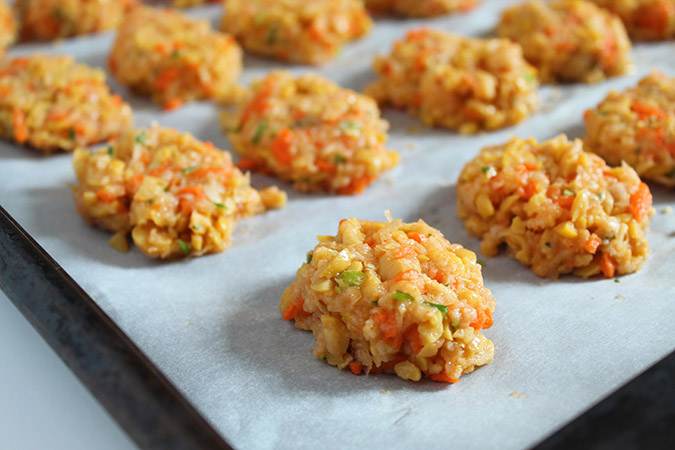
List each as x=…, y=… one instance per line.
x=196, y=191
x=387, y=321
x=355, y=367
x=281, y=146
x=407, y=275
x=645, y=111
x=105, y=196
x=417, y=236
x=324, y=166
x=165, y=78
x=157, y=171
x=370, y=241
x=19, y=126
x=134, y=182
x=607, y=265
x=592, y=244
x=172, y=104
x=404, y=251
x=531, y=189
x=248, y=164
x=294, y=308
x=356, y=186
x=443, y=377
x=413, y=337
x=201, y=173
x=640, y=202
x=481, y=319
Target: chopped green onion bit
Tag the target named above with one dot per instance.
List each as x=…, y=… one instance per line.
x=310, y=255
x=402, y=296
x=141, y=137
x=220, y=205
x=259, y=133
x=71, y=133
x=339, y=159
x=442, y=308
x=111, y=150
x=568, y=192
x=188, y=169
x=353, y=277
x=183, y=247
x=484, y=169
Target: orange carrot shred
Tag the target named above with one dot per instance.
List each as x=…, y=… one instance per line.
x=592, y=244
x=355, y=367
x=640, y=202
x=443, y=377
x=607, y=265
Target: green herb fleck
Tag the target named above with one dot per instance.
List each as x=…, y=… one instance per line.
x=638, y=150
x=402, y=296
x=374, y=303
x=442, y=308
x=481, y=262
x=220, y=206
x=568, y=192
x=71, y=133
x=616, y=280
x=485, y=169
x=259, y=133
x=175, y=54
x=353, y=277
x=196, y=227
x=272, y=34
x=310, y=255
x=602, y=112
x=188, y=170
x=323, y=356
x=548, y=244
x=530, y=77
x=140, y=137
x=151, y=201
x=349, y=127
x=339, y=159
x=454, y=323
x=183, y=247
x=111, y=150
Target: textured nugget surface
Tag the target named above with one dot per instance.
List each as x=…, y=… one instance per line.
x=637, y=126
x=177, y=196
x=301, y=31
x=393, y=297
x=310, y=131
x=569, y=40
x=52, y=103
x=557, y=208
x=455, y=82
x=174, y=59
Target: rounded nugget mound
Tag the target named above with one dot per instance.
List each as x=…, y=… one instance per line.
x=301, y=31
x=53, y=19
x=637, y=126
x=557, y=208
x=312, y=132
x=174, y=59
x=7, y=27
x=455, y=82
x=568, y=40
x=52, y=103
x=177, y=196
x=393, y=297
x=420, y=8
x=646, y=20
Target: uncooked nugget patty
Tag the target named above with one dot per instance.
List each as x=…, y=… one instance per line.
x=645, y=19
x=393, y=297
x=51, y=103
x=7, y=27
x=455, y=82
x=310, y=131
x=302, y=31
x=52, y=19
x=173, y=58
x=177, y=196
x=420, y=8
x=637, y=126
x=557, y=208
x=568, y=40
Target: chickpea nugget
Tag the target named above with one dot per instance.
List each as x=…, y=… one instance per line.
x=557, y=208
x=393, y=297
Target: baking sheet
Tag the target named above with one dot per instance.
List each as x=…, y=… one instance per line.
x=212, y=324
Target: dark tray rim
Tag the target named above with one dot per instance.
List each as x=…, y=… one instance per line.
x=154, y=413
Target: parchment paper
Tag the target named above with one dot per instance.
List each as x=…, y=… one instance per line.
x=212, y=323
